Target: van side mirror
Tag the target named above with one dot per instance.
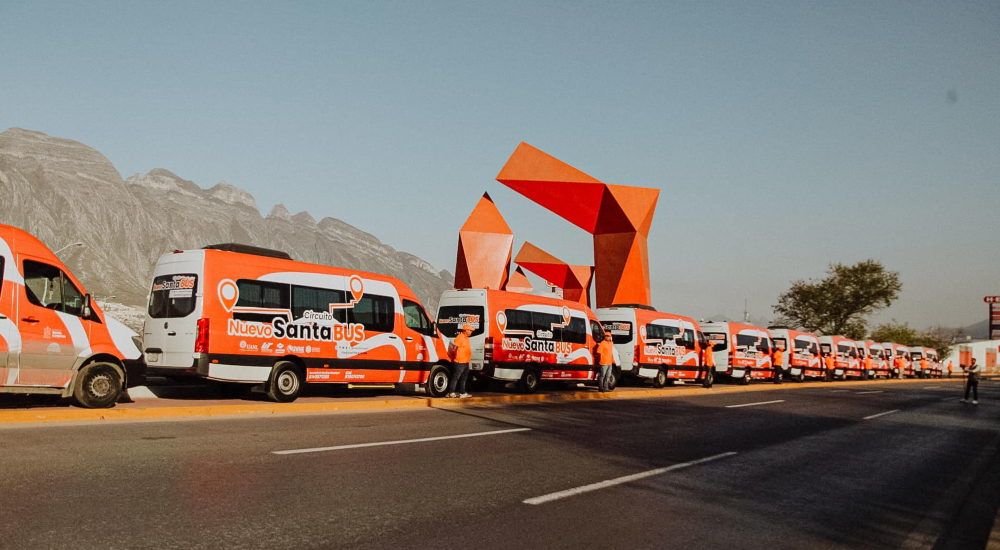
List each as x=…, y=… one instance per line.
x=86, y=311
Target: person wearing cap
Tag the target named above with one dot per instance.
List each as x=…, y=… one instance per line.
x=606, y=360
x=830, y=364
x=460, y=352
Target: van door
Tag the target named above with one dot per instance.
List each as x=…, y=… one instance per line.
x=418, y=337
x=172, y=317
x=49, y=319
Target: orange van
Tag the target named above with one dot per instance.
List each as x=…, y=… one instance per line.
x=236, y=313
x=846, y=359
x=875, y=352
x=740, y=351
x=53, y=338
x=523, y=338
x=898, y=357
x=654, y=345
x=801, y=353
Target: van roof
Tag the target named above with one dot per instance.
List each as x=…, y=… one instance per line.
x=249, y=249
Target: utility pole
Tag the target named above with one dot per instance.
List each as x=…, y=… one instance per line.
x=746, y=313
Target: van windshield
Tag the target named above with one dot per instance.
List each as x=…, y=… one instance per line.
x=173, y=296
x=621, y=331
x=451, y=319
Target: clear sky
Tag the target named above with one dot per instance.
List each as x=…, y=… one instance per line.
x=784, y=135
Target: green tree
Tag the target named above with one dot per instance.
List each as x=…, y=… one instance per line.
x=938, y=338
x=841, y=302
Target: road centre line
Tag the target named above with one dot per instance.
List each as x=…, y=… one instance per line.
x=881, y=414
x=620, y=480
x=838, y=391
x=873, y=391
x=398, y=442
x=752, y=404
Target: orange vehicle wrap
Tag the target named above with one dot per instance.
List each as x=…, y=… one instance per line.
x=841, y=348
x=804, y=353
x=330, y=346
x=43, y=346
x=668, y=340
x=559, y=349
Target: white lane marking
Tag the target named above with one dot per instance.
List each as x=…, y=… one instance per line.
x=838, y=391
x=398, y=442
x=619, y=480
x=873, y=391
x=753, y=404
x=881, y=414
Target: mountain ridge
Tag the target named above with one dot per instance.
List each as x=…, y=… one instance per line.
x=64, y=192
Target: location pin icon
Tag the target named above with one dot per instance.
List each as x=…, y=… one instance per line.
x=229, y=294
x=566, y=315
x=357, y=288
x=502, y=321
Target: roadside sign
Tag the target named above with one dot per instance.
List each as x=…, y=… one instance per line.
x=994, y=319
x=991, y=299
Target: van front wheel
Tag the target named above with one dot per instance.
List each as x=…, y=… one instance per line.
x=285, y=384
x=437, y=382
x=660, y=379
x=98, y=386
x=529, y=380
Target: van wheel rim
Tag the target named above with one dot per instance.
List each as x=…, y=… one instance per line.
x=287, y=382
x=99, y=386
x=440, y=382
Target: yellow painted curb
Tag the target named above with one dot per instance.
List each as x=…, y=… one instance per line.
x=45, y=415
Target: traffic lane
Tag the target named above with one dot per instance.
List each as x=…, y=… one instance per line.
x=897, y=482
x=215, y=484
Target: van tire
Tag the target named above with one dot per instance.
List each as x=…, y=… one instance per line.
x=800, y=378
x=660, y=379
x=745, y=380
x=285, y=383
x=98, y=386
x=530, y=380
x=709, y=378
x=438, y=381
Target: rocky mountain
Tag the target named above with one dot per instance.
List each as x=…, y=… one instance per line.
x=65, y=192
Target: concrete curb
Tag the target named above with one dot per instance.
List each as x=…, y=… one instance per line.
x=47, y=415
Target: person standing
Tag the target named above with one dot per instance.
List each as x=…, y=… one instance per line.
x=951, y=367
x=779, y=363
x=972, y=383
x=606, y=360
x=830, y=364
x=460, y=353
x=868, y=364
x=924, y=373
x=708, y=363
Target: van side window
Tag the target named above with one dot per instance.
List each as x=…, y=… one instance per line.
x=597, y=331
x=662, y=333
x=262, y=294
x=546, y=326
x=47, y=286
x=416, y=319
x=518, y=319
x=377, y=313
x=318, y=300
x=575, y=332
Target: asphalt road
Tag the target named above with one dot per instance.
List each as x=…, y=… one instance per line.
x=820, y=467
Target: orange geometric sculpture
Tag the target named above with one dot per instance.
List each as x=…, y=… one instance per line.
x=573, y=279
x=519, y=282
x=618, y=217
x=485, y=245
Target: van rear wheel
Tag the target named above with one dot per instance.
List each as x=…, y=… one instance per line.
x=745, y=380
x=660, y=379
x=529, y=380
x=98, y=386
x=286, y=382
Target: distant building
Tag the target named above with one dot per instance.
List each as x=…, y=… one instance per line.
x=984, y=351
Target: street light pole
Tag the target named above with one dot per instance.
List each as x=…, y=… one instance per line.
x=70, y=245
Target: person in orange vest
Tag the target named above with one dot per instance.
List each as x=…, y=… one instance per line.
x=828, y=361
x=708, y=362
x=923, y=368
x=951, y=366
x=460, y=352
x=606, y=360
x=778, y=362
x=868, y=364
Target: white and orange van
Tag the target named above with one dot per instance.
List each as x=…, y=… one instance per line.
x=801, y=353
x=742, y=352
x=846, y=359
x=236, y=313
x=880, y=366
x=654, y=345
x=53, y=338
x=523, y=338
x=893, y=350
x=916, y=370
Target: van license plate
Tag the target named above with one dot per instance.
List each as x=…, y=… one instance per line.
x=152, y=357
x=477, y=366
